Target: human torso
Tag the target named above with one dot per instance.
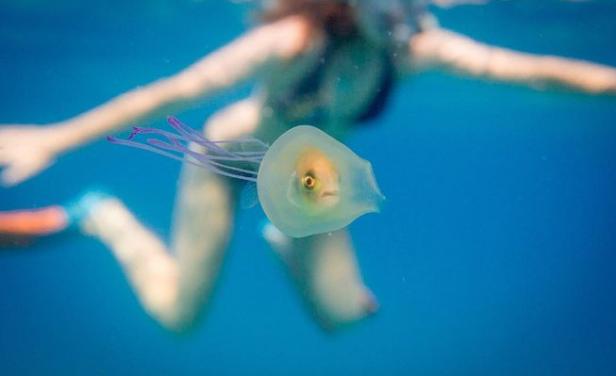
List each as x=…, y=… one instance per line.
x=333, y=85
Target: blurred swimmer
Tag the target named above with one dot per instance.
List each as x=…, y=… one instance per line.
x=331, y=63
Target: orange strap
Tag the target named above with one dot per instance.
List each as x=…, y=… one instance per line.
x=34, y=222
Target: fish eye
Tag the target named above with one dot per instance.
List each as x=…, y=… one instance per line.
x=309, y=181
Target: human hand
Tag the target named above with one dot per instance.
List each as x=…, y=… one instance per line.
x=25, y=150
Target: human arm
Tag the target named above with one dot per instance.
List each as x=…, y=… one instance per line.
x=449, y=51
x=25, y=150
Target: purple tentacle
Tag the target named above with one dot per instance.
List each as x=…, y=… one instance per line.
x=196, y=162
x=200, y=157
x=168, y=135
x=213, y=158
x=195, y=136
x=247, y=156
x=245, y=140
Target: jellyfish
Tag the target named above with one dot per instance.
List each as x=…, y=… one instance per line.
x=307, y=182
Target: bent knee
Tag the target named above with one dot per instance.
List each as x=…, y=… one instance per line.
x=161, y=302
x=170, y=311
x=167, y=311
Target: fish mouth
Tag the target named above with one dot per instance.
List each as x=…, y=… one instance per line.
x=333, y=193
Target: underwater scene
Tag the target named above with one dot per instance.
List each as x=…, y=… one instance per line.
x=308, y=187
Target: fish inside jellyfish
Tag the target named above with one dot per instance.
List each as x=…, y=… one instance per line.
x=307, y=182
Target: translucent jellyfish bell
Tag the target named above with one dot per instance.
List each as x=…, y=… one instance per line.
x=307, y=182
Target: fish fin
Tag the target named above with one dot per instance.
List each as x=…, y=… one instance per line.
x=248, y=196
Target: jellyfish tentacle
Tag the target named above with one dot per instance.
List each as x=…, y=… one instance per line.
x=251, y=153
x=138, y=145
x=168, y=135
x=183, y=149
x=175, y=139
x=192, y=135
x=214, y=157
x=254, y=157
x=189, y=134
x=197, y=162
x=199, y=156
x=244, y=140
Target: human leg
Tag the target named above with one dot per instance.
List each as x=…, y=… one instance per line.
x=325, y=272
x=175, y=286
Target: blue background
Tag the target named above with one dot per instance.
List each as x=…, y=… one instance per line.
x=494, y=255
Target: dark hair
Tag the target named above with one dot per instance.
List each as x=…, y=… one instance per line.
x=336, y=18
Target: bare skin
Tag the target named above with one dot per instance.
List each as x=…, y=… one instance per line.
x=443, y=49
x=174, y=290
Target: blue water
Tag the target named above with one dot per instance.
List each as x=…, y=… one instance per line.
x=495, y=254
